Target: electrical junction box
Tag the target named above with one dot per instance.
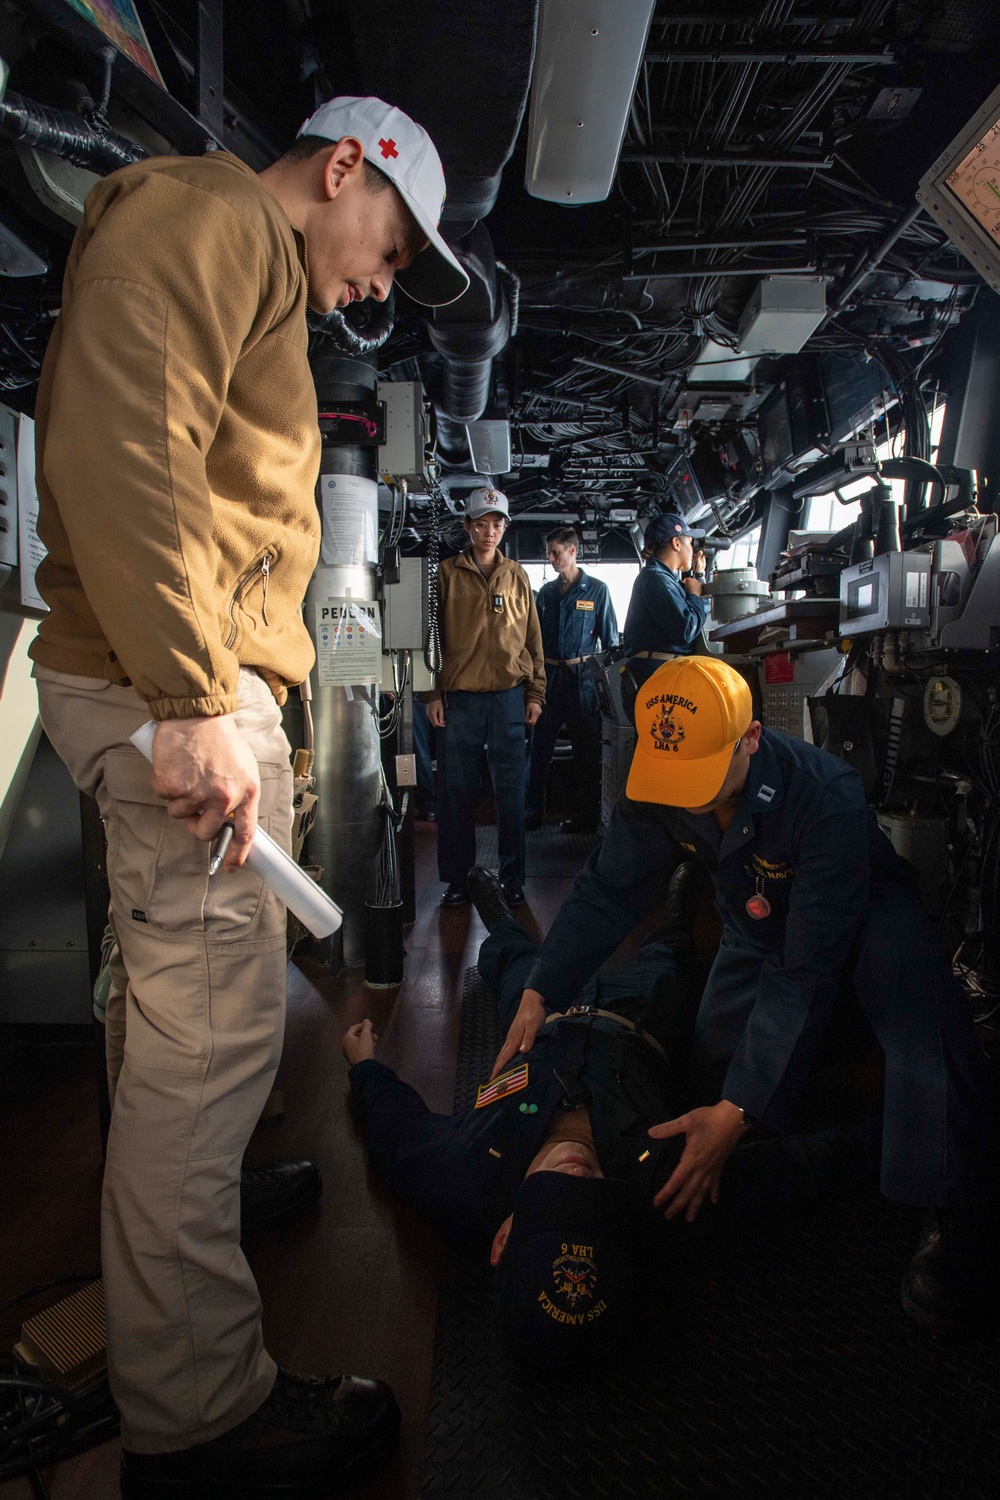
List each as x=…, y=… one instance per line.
x=891, y=592
x=789, y=682
x=402, y=455
x=421, y=681
x=406, y=770
x=781, y=314
x=404, y=617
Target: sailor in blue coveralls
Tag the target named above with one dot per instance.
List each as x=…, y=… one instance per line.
x=567, y=1146
x=666, y=613
x=577, y=620
x=815, y=904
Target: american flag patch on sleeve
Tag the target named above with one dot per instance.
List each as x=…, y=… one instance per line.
x=510, y=1082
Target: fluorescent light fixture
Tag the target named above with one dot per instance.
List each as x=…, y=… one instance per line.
x=489, y=445
x=587, y=59
x=717, y=363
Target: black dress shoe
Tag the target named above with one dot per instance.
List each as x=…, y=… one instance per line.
x=533, y=821
x=578, y=825
x=276, y=1192
x=457, y=894
x=488, y=897
x=310, y=1438
x=512, y=893
x=945, y=1286
x=683, y=896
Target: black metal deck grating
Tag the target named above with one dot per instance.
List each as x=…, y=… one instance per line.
x=548, y=854
x=780, y=1366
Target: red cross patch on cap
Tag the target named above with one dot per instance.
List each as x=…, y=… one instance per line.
x=405, y=153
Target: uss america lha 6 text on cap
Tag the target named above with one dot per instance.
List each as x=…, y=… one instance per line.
x=688, y=715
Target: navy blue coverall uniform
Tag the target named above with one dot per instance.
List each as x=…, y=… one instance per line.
x=575, y=624
x=662, y=617
x=838, y=913
x=463, y=1170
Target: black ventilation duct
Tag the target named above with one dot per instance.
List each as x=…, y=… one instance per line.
x=471, y=331
x=461, y=68
x=65, y=134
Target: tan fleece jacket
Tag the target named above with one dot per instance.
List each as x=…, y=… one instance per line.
x=177, y=440
x=487, y=650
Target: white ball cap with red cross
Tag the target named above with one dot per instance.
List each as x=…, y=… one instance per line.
x=404, y=151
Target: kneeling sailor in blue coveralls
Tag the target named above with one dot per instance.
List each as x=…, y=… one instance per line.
x=815, y=904
x=562, y=1160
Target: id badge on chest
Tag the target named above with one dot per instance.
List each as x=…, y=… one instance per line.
x=497, y=604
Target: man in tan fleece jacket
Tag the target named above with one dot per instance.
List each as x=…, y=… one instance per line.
x=178, y=452
x=491, y=684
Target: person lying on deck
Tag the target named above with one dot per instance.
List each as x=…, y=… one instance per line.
x=570, y=1154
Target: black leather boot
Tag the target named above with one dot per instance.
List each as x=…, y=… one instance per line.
x=309, y=1439
x=683, y=897
x=945, y=1287
x=488, y=897
x=277, y=1192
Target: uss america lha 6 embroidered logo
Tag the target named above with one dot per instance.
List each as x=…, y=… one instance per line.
x=665, y=733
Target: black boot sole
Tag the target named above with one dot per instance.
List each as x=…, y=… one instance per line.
x=369, y=1461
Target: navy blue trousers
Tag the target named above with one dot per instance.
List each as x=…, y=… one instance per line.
x=938, y=1131
x=473, y=720
x=638, y=992
x=761, y=1177
x=562, y=706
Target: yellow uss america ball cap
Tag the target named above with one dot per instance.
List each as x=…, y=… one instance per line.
x=688, y=715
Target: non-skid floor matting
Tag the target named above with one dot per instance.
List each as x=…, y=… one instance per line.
x=548, y=854
x=782, y=1365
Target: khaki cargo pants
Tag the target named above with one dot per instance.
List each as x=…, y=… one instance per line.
x=194, y=1032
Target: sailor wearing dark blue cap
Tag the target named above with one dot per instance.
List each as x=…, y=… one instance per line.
x=667, y=612
x=553, y=1166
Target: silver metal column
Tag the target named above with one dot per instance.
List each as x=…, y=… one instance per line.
x=343, y=840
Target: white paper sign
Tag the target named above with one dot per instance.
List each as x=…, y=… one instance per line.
x=348, y=642
x=349, y=507
x=30, y=547
x=8, y=486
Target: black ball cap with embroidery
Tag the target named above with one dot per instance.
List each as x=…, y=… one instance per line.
x=564, y=1282
x=663, y=528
